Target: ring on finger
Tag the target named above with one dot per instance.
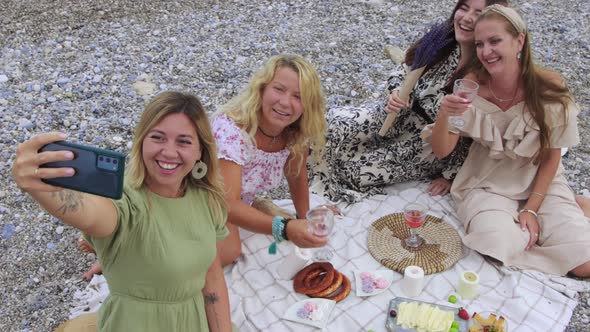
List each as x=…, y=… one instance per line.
x=36, y=171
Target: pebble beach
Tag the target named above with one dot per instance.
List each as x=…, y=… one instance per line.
x=87, y=68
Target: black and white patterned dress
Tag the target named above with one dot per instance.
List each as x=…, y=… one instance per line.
x=356, y=164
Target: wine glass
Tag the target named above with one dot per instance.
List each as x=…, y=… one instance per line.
x=414, y=214
x=320, y=222
x=466, y=89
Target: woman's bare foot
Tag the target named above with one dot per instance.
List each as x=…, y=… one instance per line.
x=84, y=245
x=584, y=203
x=94, y=269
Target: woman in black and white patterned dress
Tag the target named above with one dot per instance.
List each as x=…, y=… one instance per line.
x=357, y=164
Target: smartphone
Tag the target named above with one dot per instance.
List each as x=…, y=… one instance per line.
x=99, y=172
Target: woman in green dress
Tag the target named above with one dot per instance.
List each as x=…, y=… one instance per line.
x=157, y=244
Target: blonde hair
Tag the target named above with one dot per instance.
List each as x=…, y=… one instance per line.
x=309, y=130
x=161, y=106
x=540, y=84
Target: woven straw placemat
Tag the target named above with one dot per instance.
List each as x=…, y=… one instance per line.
x=440, y=250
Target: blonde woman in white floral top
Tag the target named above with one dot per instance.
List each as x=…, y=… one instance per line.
x=263, y=135
x=356, y=165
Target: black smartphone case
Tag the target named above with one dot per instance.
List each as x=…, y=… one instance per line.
x=99, y=172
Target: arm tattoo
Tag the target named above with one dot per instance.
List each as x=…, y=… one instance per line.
x=211, y=298
x=72, y=201
x=213, y=317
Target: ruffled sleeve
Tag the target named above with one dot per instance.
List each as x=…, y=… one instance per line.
x=563, y=129
x=231, y=140
x=520, y=138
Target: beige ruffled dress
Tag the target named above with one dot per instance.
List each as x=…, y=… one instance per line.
x=496, y=181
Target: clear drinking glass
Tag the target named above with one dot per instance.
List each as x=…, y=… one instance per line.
x=414, y=214
x=466, y=89
x=320, y=222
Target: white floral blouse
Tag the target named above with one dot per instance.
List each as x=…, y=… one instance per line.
x=261, y=171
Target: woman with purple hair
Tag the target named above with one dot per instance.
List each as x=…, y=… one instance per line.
x=356, y=165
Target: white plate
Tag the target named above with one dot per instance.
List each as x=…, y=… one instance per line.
x=387, y=274
x=485, y=315
x=324, y=305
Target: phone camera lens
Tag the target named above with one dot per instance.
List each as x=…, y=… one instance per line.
x=115, y=161
x=108, y=160
x=100, y=158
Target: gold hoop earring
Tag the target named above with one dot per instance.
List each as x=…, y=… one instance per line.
x=199, y=170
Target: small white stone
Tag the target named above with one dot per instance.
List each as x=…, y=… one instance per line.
x=3, y=78
x=144, y=88
x=36, y=280
x=59, y=229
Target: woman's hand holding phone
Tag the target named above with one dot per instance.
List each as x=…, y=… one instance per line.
x=27, y=171
x=46, y=163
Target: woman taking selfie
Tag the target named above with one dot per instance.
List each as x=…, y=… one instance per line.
x=157, y=244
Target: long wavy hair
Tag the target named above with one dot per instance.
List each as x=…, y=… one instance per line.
x=308, y=131
x=539, y=84
x=161, y=106
x=444, y=52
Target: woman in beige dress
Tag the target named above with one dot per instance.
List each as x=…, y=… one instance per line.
x=511, y=192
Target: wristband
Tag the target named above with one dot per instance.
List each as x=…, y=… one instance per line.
x=538, y=194
x=284, y=232
x=277, y=233
x=528, y=211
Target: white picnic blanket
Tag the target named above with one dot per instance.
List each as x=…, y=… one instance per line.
x=529, y=300
x=90, y=299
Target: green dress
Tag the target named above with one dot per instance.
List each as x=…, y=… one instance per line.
x=156, y=261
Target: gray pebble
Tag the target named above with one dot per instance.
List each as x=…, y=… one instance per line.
x=63, y=80
x=70, y=66
x=26, y=123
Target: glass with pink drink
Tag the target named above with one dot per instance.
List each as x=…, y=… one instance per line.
x=414, y=214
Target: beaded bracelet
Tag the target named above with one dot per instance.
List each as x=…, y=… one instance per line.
x=277, y=233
